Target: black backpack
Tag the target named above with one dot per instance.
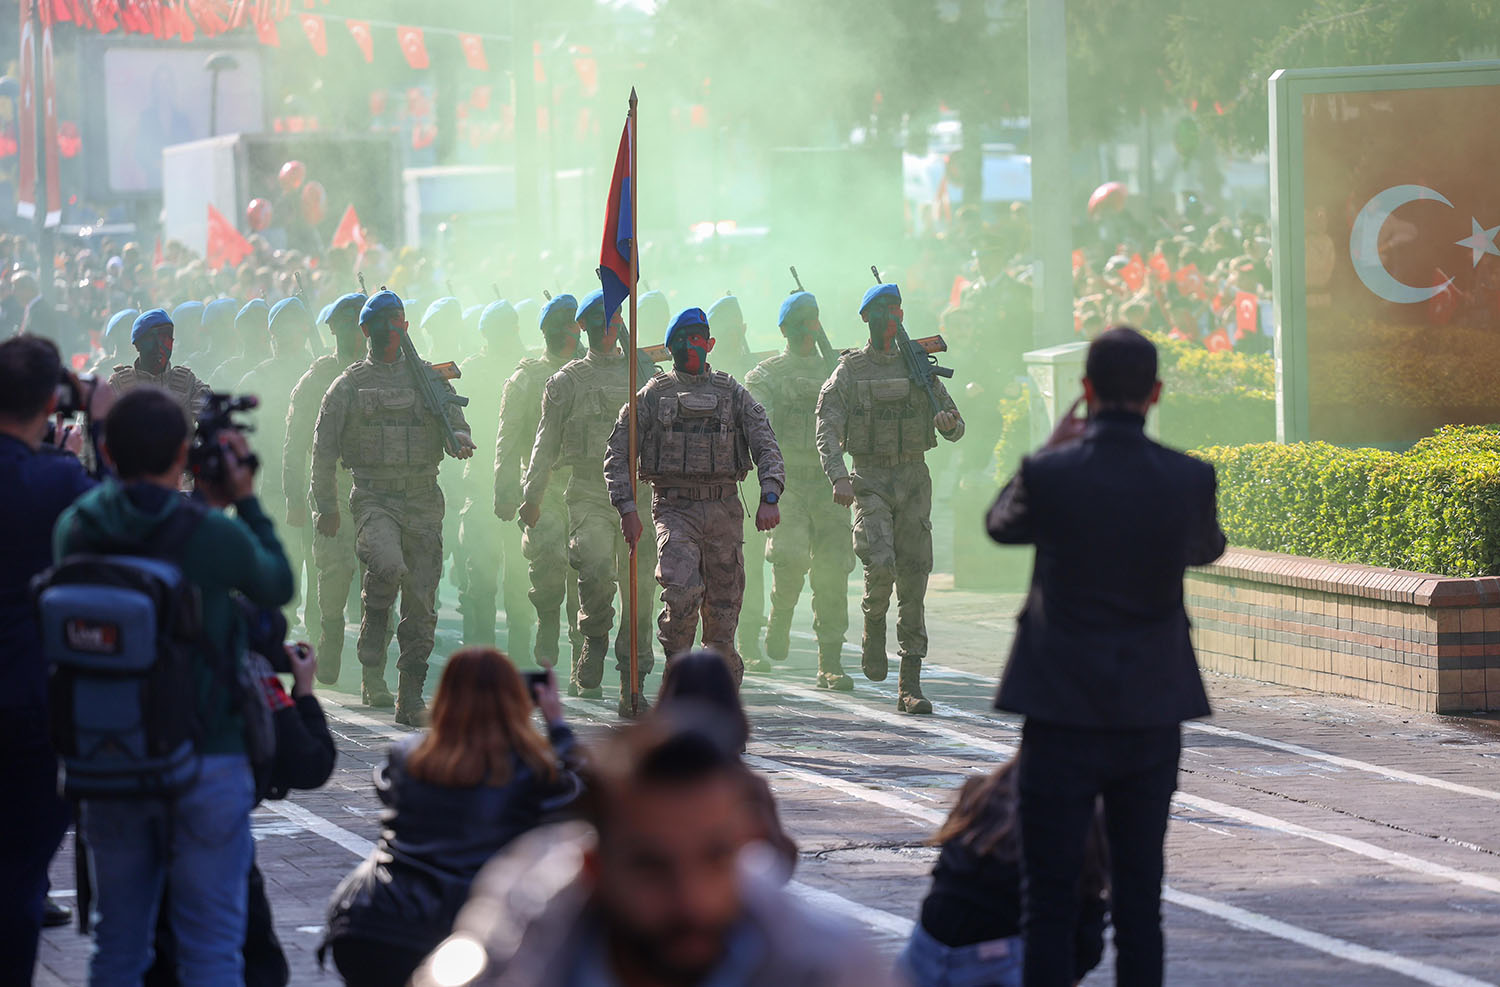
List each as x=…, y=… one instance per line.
x=118, y=632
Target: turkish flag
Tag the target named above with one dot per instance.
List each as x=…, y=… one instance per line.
x=1160, y=268
x=312, y=26
x=412, y=46
x=1134, y=273
x=362, y=37
x=60, y=11
x=26, y=180
x=49, y=134
x=106, y=15
x=225, y=244
x=349, y=231
x=1218, y=341
x=156, y=257
x=474, y=52
x=1190, y=282
x=266, y=31
x=1246, y=314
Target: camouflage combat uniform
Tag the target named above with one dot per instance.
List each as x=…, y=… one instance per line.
x=579, y=407
x=544, y=545
x=814, y=530
x=871, y=410
x=736, y=358
x=180, y=382
x=373, y=419
x=698, y=434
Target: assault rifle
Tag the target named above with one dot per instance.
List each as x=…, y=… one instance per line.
x=426, y=378
x=921, y=364
x=830, y=357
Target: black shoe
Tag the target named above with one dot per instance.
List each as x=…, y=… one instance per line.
x=55, y=916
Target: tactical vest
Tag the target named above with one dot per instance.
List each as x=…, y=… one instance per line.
x=389, y=426
x=794, y=383
x=531, y=377
x=177, y=381
x=599, y=391
x=691, y=434
x=886, y=414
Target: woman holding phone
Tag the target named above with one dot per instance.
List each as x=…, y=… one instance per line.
x=454, y=794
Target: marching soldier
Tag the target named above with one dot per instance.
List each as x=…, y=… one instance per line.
x=814, y=530
x=151, y=335
x=579, y=406
x=871, y=410
x=373, y=419
x=545, y=542
x=114, y=345
x=250, y=328
x=332, y=557
x=699, y=431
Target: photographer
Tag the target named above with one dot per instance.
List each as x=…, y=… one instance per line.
x=36, y=483
x=197, y=845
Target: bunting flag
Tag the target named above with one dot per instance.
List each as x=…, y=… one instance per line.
x=317, y=36
x=266, y=31
x=473, y=46
x=225, y=244
x=362, y=37
x=350, y=232
x=106, y=15
x=614, y=253
x=26, y=179
x=412, y=46
x=51, y=173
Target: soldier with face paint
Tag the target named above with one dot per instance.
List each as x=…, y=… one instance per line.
x=579, y=406
x=699, y=431
x=151, y=335
x=814, y=530
x=870, y=410
x=544, y=542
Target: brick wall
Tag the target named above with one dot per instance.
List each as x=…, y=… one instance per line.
x=1411, y=639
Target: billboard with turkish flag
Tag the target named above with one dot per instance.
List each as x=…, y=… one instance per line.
x=1386, y=212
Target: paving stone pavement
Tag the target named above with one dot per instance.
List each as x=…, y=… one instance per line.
x=1295, y=856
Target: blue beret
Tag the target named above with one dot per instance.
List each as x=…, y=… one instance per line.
x=498, y=315
x=442, y=308
x=145, y=322
x=593, y=298
x=347, y=305
x=381, y=302
x=685, y=320
x=219, y=313
x=797, y=305
x=255, y=312
x=559, y=313
x=290, y=313
x=729, y=305
x=188, y=314
x=879, y=291
x=119, y=318
x=324, y=313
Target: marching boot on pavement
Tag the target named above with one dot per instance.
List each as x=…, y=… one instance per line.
x=871, y=410
x=831, y=668
x=699, y=431
x=374, y=418
x=588, y=669
x=411, y=708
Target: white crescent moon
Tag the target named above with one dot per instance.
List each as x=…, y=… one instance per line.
x=1364, y=244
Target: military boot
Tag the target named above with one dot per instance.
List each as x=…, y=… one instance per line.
x=909, y=698
x=372, y=688
x=546, y=639
x=329, y=659
x=872, y=651
x=411, y=708
x=640, y=705
x=374, y=641
x=831, y=667
x=588, y=669
x=778, y=635
x=750, y=654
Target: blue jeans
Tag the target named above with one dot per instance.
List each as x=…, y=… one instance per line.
x=928, y=963
x=199, y=847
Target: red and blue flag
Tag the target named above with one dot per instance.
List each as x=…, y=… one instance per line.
x=614, y=254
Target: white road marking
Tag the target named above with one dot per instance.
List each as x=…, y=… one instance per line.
x=874, y=918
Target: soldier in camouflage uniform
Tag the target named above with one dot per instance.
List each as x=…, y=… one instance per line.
x=151, y=335
x=490, y=550
x=251, y=329
x=698, y=431
x=374, y=420
x=871, y=410
x=727, y=322
x=332, y=558
x=579, y=407
x=442, y=324
x=814, y=529
x=544, y=543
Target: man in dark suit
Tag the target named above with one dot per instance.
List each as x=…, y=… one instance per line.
x=1103, y=666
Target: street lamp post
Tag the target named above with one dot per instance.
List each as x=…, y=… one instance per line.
x=219, y=61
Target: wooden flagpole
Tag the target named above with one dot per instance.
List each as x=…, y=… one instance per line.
x=634, y=439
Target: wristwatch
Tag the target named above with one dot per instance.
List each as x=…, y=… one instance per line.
x=770, y=497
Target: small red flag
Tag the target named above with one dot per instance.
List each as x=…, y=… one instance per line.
x=266, y=31
x=317, y=36
x=362, y=37
x=1134, y=273
x=60, y=11
x=1218, y=341
x=412, y=46
x=349, y=231
x=1160, y=268
x=1190, y=282
x=956, y=294
x=1077, y=259
x=1246, y=314
x=225, y=244
x=156, y=258
x=474, y=52
x=106, y=15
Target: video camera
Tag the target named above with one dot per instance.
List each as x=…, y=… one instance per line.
x=206, y=457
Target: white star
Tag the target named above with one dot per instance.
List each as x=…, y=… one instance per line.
x=1481, y=241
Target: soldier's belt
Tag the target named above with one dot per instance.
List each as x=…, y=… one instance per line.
x=717, y=491
x=396, y=485
x=889, y=459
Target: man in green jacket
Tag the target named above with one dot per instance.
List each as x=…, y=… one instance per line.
x=198, y=845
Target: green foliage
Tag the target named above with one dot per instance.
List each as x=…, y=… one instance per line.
x=1434, y=508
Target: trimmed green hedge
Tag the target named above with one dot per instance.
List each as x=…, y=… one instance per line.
x=1434, y=508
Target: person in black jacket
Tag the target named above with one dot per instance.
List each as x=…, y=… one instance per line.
x=1102, y=665
x=970, y=931
x=454, y=795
